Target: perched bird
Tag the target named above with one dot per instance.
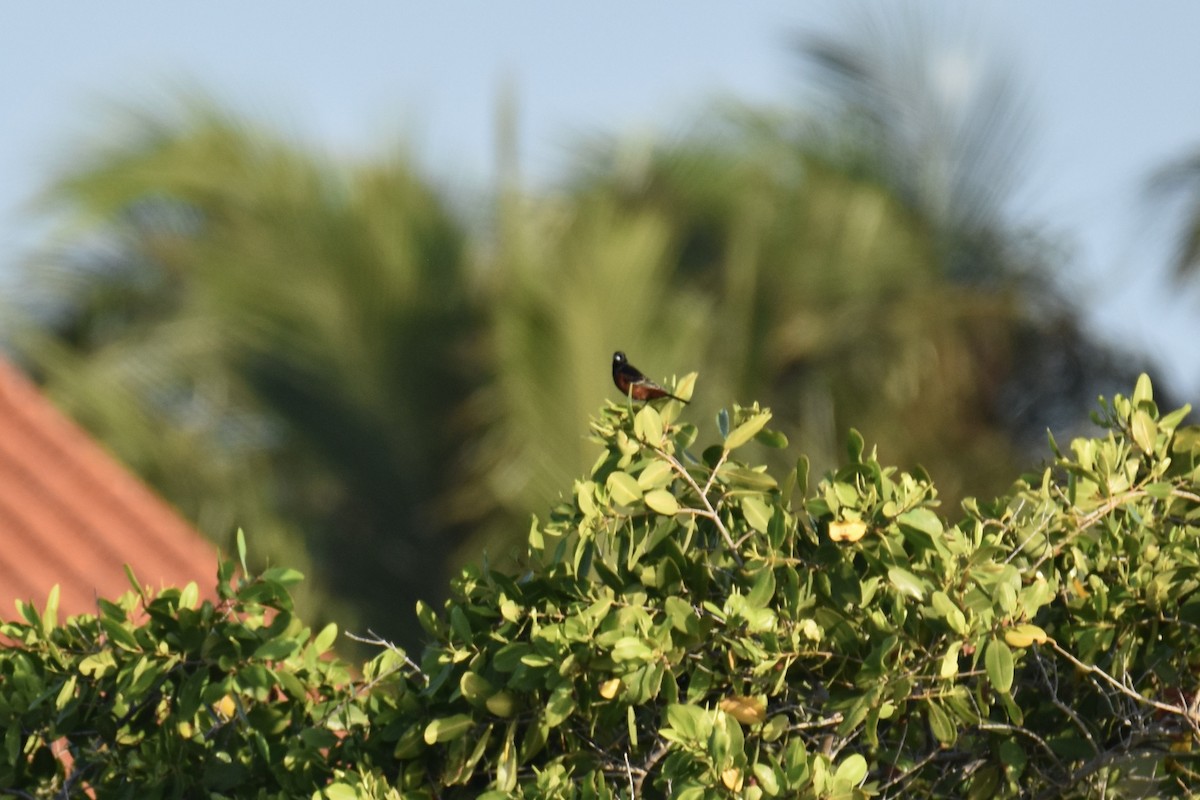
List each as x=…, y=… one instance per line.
x=633, y=383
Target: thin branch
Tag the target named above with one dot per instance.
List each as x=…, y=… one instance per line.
x=656, y=756
x=712, y=476
x=377, y=640
x=917, y=767
x=1116, y=684
x=1007, y=728
x=827, y=722
x=703, y=495
x=1052, y=688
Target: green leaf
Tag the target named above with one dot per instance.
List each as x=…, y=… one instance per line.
x=340, y=791
x=509, y=657
x=502, y=703
x=1013, y=758
x=325, y=638
x=763, y=590
x=1171, y=421
x=747, y=430
x=768, y=778
x=948, y=610
x=241, y=549
x=476, y=688
x=285, y=576
x=662, y=501
x=803, y=468
x=769, y=438
x=189, y=596
x=949, y=668
x=506, y=766
x=757, y=513
x=1143, y=391
x=1144, y=430
x=446, y=729
x=689, y=721
x=50, y=613
x=1160, y=491
x=65, y=694
x=737, y=475
x=685, y=386
x=922, y=519
x=560, y=705
x=943, y=728
x=276, y=649
x=648, y=425
x=119, y=634
x=852, y=771
x=656, y=475
x=623, y=489
x=998, y=659
x=631, y=648
x=907, y=583
x=1187, y=440
x=723, y=423
x=855, y=444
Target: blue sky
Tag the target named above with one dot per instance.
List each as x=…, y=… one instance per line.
x=1112, y=86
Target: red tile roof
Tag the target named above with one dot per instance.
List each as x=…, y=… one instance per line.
x=71, y=515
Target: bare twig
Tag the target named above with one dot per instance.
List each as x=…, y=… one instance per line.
x=1133, y=694
x=375, y=639
x=1052, y=688
x=1007, y=728
x=709, y=511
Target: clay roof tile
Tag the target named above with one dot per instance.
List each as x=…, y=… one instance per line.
x=70, y=514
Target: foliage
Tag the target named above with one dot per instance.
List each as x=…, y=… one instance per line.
x=689, y=625
x=156, y=696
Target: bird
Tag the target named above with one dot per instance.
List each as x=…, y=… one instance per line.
x=633, y=383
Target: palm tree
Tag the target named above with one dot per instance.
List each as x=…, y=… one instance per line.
x=272, y=339
x=852, y=266
x=1179, y=181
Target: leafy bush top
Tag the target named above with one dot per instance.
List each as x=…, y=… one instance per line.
x=686, y=625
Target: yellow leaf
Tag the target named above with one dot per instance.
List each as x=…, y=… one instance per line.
x=732, y=778
x=850, y=530
x=746, y=710
x=1025, y=635
x=609, y=689
x=225, y=707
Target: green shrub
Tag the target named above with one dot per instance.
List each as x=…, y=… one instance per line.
x=688, y=625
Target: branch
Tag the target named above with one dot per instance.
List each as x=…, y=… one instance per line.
x=656, y=756
x=1052, y=689
x=1004, y=726
x=377, y=640
x=709, y=512
x=1120, y=687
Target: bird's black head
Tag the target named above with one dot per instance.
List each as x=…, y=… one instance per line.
x=619, y=359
